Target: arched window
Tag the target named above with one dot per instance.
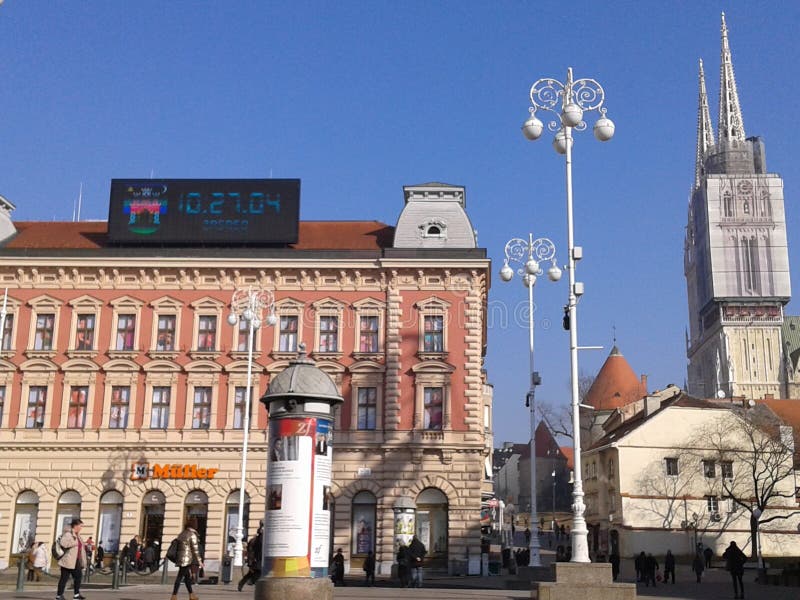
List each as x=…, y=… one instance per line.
x=363, y=523
x=196, y=507
x=153, y=505
x=431, y=525
x=108, y=528
x=26, y=512
x=232, y=517
x=69, y=507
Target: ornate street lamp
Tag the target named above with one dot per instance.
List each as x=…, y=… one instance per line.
x=248, y=305
x=531, y=254
x=570, y=101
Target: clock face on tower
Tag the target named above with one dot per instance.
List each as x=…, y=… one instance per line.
x=204, y=211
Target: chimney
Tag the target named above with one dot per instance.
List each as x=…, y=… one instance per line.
x=769, y=397
x=643, y=379
x=651, y=405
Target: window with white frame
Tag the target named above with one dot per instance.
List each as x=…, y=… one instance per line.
x=712, y=504
x=37, y=400
x=369, y=316
x=671, y=466
x=434, y=333
x=201, y=410
x=726, y=469
x=78, y=401
x=43, y=337
x=165, y=333
x=368, y=334
x=432, y=326
x=84, y=332
x=287, y=341
x=242, y=335
x=126, y=332
x=120, y=406
x=2, y=403
x=206, y=333
x=240, y=406
x=8, y=332
x=433, y=408
x=367, y=407
x=709, y=469
x=328, y=333
x=159, y=412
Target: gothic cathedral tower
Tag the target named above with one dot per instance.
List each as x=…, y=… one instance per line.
x=736, y=259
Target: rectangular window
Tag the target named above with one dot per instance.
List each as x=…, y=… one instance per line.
x=726, y=469
x=159, y=414
x=37, y=398
x=434, y=404
x=712, y=504
x=709, y=469
x=329, y=334
x=44, y=332
x=201, y=412
x=288, y=334
x=76, y=413
x=126, y=329
x=672, y=466
x=243, y=334
x=120, y=406
x=2, y=403
x=368, y=334
x=207, y=333
x=8, y=328
x=165, y=336
x=367, y=407
x=434, y=334
x=239, y=402
x=84, y=332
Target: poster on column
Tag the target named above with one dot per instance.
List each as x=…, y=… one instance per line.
x=321, y=514
x=291, y=454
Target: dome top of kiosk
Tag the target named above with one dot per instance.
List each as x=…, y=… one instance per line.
x=302, y=379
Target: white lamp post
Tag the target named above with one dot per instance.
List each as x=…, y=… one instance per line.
x=570, y=100
x=249, y=305
x=531, y=253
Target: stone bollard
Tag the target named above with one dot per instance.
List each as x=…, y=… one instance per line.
x=114, y=573
x=21, y=574
x=300, y=403
x=164, y=574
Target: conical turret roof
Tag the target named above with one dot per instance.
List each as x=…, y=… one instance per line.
x=615, y=385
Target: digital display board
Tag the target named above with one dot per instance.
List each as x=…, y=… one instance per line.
x=204, y=211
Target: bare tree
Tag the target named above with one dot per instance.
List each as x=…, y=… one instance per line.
x=559, y=417
x=755, y=451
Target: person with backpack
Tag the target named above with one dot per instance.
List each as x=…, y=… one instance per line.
x=72, y=560
x=188, y=552
x=253, y=559
x=734, y=563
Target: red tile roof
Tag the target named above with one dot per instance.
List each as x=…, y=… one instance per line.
x=615, y=385
x=313, y=235
x=569, y=453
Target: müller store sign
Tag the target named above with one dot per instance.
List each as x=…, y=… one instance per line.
x=143, y=471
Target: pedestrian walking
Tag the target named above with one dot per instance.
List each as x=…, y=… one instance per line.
x=133, y=551
x=669, y=567
x=416, y=552
x=402, y=565
x=253, y=559
x=188, y=553
x=708, y=553
x=734, y=563
x=40, y=560
x=698, y=565
x=99, y=556
x=89, y=553
x=614, y=560
x=369, y=568
x=73, y=562
x=338, y=567
x=638, y=564
x=650, y=568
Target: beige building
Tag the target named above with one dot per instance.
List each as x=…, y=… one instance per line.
x=122, y=386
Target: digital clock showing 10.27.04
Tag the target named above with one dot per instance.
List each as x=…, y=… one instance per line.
x=188, y=211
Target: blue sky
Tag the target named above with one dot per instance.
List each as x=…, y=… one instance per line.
x=360, y=98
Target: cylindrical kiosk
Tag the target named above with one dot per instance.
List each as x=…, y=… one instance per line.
x=297, y=521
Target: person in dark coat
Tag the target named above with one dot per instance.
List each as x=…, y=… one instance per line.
x=708, y=553
x=698, y=566
x=416, y=552
x=614, y=560
x=669, y=567
x=338, y=567
x=253, y=559
x=99, y=556
x=402, y=565
x=734, y=563
x=369, y=568
x=638, y=564
x=650, y=568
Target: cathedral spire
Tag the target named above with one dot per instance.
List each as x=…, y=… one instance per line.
x=731, y=125
x=705, y=134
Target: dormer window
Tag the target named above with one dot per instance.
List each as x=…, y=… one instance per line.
x=434, y=229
